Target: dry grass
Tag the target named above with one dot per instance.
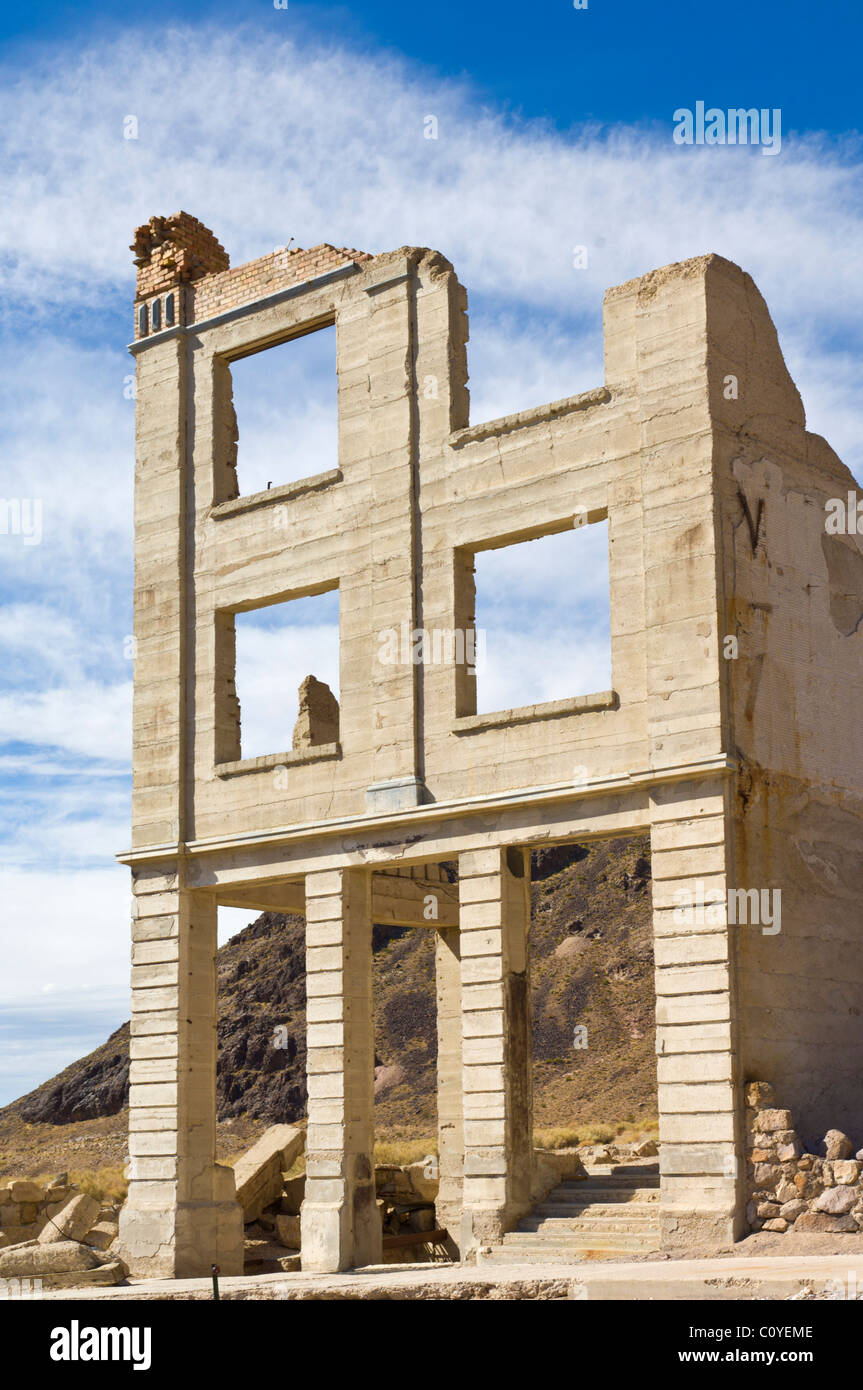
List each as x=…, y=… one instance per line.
x=105, y=1184
x=624, y=1132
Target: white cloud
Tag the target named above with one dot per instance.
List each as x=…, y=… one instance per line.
x=86, y=718
x=68, y=929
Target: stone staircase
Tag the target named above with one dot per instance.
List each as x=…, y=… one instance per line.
x=614, y=1212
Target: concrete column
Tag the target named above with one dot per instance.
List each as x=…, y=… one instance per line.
x=498, y=1123
x=698, y=1092
x=450, y=1113
x=341, y=1228
x=181, y=1215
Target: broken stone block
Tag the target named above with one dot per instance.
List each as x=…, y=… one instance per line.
x=767, y=1174
x=776, y=1224
x=258, y=1174
x=767, y=1210
x=835, y=1144
x=73, y=1222
x=59, y=1257
x=103, y=1234
x=318, y=719
x=786, y=1191
x=287, y=1230
x=28, y=1192
x=424, y=1186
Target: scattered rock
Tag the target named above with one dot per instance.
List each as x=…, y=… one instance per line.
x=777, y=1224
x=789, y=1211
x=647, y=1149
x=820, y=1221
x=759, y=1094
x=835, y=1144
x=836, y=1201
x=846, y=1170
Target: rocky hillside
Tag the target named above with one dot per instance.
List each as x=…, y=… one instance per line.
x=592, y=967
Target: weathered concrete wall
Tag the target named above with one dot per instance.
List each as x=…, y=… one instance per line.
x=793, y=599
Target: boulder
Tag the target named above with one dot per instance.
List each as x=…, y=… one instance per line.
x=836, y=1201
x=835, y=1144
x=758, y=1094
x=846, y=1170
x=820, y=1221
x=73, y=1221
x=789, y=1211
x=776, y=1224
x=767, y=1210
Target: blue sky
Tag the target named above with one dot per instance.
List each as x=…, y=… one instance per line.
x=554, y=131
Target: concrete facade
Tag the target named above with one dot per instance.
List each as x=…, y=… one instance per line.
x=695, y=451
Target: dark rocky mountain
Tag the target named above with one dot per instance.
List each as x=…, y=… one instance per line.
x=591, y=966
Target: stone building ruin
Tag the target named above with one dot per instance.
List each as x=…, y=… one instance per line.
x=726, y=734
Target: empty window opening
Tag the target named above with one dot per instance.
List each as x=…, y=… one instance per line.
x=287, y=675
x=286, y=411
x=543, y=619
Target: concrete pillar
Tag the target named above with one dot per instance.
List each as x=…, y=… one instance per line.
x=181, y=1215
x=698, y=1072
x=494, y=906
x=450, y=1112
x=341, y=1228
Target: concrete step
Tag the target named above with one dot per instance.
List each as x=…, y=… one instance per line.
x=577, y=1240
x=588, y=1222
x=574, y=1197
x=621, y=1180
x=503, y=1256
